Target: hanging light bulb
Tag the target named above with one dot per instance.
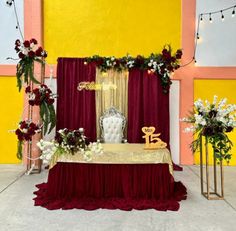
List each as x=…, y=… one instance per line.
x=222, y=16
x=198, y=37
x=210, y=19
x=233, y=12
x=201, y=17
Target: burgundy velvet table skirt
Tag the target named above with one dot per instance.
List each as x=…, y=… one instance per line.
x=110, y=186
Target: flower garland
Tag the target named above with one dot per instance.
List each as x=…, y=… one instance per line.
x=161, y=64
x=25, y=131
x=44, y=98
x=213, y=120
x=28, y=52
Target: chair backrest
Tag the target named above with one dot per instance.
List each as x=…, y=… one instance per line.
x=112, y=125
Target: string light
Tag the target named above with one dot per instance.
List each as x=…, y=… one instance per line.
x=210, y=19
x=200, y=19
x=222, y=16
x=233, y=12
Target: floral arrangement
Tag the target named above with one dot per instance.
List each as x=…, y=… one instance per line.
x=213, y=120
x=44, y=98
x=161, y=64
x=25, y=131
x=28, y=52
x=68, y=142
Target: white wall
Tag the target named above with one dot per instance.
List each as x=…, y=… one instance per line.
x=217, y=44
x=174, y=121
x=8, y=31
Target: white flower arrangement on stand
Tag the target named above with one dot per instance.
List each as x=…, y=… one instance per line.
x=213, y=120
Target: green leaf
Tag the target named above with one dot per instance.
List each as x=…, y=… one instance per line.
x=31, y=74
x=19, y=149
x=52, y=116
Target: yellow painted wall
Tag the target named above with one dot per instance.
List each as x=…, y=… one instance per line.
x=206, y=89
x=104, y=27
x=11, y=102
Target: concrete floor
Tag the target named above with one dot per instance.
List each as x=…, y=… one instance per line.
x=17, y=211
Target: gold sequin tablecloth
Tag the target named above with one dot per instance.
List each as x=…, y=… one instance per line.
x=121, y=154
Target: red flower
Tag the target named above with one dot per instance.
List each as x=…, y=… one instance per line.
x=17, y=42
x=18, y=132
x=178, y=54
x=34, y=41
x=23, y=125
x=44, y=54
x=31, y=54
x=27, y=137
x=27, y=89
x=17, y=49
x=26, y=43
x=38, y=52
x=21, y=55
x=31, y=102
x=50, y=101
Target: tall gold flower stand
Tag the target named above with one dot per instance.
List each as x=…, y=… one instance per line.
x=34, y=163
x=211, y=190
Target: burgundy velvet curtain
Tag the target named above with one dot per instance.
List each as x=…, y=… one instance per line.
x=147, y=106
x=75, y=108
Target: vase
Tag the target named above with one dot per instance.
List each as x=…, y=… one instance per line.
x=211, y=193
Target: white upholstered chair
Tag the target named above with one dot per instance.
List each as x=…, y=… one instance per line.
x=112, y=124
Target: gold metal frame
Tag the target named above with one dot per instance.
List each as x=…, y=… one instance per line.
x=38, y=167
x=208, y=194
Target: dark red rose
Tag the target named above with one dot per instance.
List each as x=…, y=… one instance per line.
x=37, y=102
x=208, y=131
x=26, y=43
x=39, y=51
x=58, y=138
x=218, y=129
x=170, y=68
x=20, y=137
x=36, y=91
x=17, y=42
x=44, y=85
x=44, y=54
x=164, y=51
x=71, y=140
x=139, y=60
x=18, y=132
x=31, y=132
x=49, y=101
x=212, y=113
x=99, y=61
x=33, y=126
x=31, y=54
x=17, y=49
x=21, y=55
x=173, y=59
x=31, y=102
x=229, y=129
x=177, y=67
x=34, y=41
x=178, y=54
x=23, y=125
x=27, y=137
x=27, y=89
x=77, y=133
